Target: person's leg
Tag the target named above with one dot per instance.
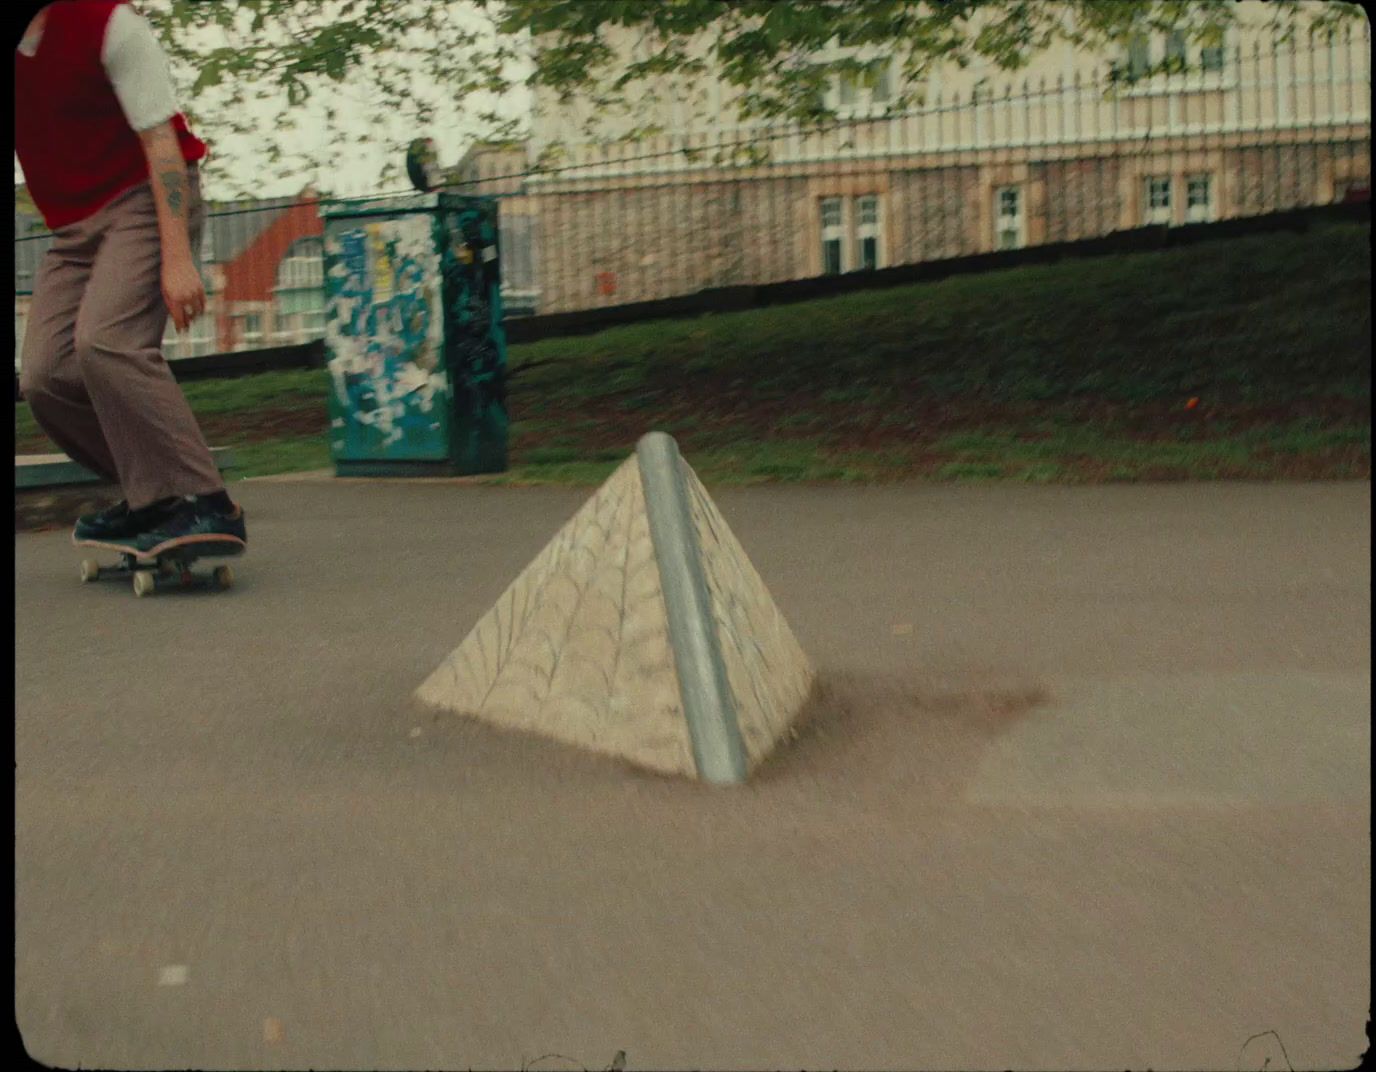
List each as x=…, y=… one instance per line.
x=153, y=436
x=49, y=372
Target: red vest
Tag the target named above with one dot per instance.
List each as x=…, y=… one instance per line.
x=76, y=149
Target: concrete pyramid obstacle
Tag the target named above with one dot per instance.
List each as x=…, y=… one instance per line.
x=641, y=631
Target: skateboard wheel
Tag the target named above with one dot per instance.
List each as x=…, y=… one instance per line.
x=144, y=583
x=90, y=570
x=224, y=577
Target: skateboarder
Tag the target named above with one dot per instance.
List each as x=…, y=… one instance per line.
x=111, y=165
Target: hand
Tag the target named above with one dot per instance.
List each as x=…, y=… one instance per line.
x=182, y=290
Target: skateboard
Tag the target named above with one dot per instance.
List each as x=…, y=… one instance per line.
x=169, y=567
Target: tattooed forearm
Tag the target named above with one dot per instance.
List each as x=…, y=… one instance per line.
x=171, y=187
x=174, y=186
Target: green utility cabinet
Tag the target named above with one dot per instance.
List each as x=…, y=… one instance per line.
x=413, y=337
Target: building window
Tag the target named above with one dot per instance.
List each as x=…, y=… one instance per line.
x=304, y=266
x=872, y=84
x=1199, y=199
x=833, y=236
x=867, y=232
x=284, y=329
x=299, y=297
x=1010, y=230
x=847, y=90
x=299, y=327
x=867, y=88
x=1177, y=49
x=852, y=234
x=252, y=331
x=1146, y=55
x=1139, y=55
x=301, y=273
x=1158, y=199
x=881, y=81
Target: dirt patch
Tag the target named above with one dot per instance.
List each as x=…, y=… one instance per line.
x=906, y=428
x=897, y=417
x=227, y=429
x=256, y=426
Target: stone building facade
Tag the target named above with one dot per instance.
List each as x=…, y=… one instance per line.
x=1253, y=128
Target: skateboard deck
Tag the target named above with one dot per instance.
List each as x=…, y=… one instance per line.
x=167, y=566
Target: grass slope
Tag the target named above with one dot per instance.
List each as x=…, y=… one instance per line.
x=1078, y=371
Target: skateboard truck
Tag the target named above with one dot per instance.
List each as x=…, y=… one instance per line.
x=171, y=568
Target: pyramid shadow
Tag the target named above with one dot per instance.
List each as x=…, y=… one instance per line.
x=925, y=734
x=922, y=738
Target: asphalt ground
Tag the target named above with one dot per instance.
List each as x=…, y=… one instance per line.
x=1088, y=786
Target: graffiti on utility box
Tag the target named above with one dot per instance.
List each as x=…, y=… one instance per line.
x=384, y=334
x=414, y=340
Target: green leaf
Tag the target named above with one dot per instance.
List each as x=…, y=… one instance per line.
x=392, y=59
